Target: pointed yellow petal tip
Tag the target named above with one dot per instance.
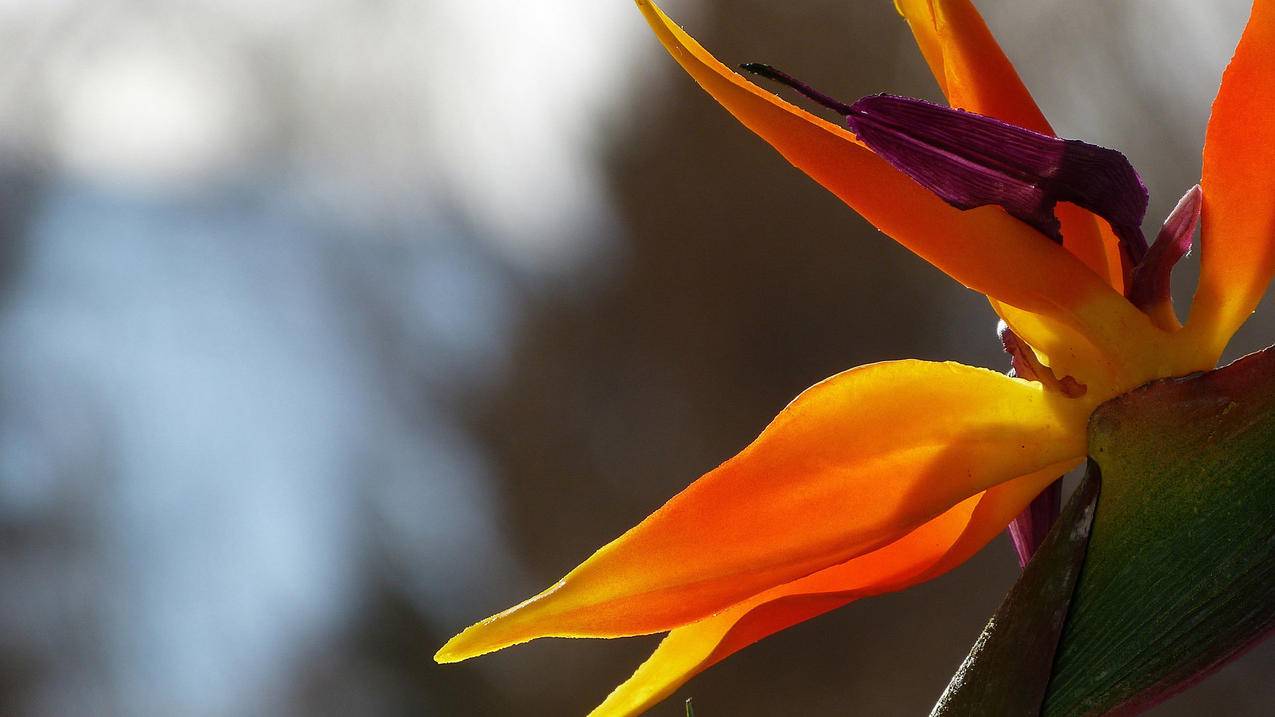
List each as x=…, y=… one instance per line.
x=469, y=643
x=521, y=623
x=494, y=633
x=449, y=653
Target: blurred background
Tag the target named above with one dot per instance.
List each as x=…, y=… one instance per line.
x=327, y=329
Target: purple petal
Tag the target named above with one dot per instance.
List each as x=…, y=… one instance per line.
x=970, y=160
x=1028, y=530
x=1150, y=282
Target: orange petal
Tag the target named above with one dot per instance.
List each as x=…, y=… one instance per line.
x=852, y=464
x=984, y=249
x=1090, y=239
x=1237, y=246
x=975, y=74
x=970, y=66
x=925, y=553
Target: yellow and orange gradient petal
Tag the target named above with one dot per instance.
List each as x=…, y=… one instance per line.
x=853, y=464
x=975, y=74
x=927, y=552
x=1237, y=258
x=890, y=474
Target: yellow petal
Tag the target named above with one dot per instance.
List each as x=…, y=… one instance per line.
x=1069, y=353
x=925, y=553
x=852, y=464
x=1237, y=246
x=984, y=249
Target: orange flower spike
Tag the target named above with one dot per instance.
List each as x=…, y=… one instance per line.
x=892, y=473
x=854, y=463
x=984, y=248
x=927, y=552
x=974, y=74
x=1237, y=253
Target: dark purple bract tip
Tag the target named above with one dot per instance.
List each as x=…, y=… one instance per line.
x=970, y=160
x=1150, y=282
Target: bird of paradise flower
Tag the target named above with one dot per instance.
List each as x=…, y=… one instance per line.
x=893, y=473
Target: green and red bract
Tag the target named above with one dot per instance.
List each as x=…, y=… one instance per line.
x=1180, y=574
x=1174, y=573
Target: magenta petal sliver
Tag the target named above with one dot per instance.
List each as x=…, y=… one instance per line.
x=1028, y=530
x=1150, y=282
x=970, y=160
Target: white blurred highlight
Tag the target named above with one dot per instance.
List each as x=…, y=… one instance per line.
x=496, y=108
x=155, y=116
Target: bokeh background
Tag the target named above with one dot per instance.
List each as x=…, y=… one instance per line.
x=329, y=328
